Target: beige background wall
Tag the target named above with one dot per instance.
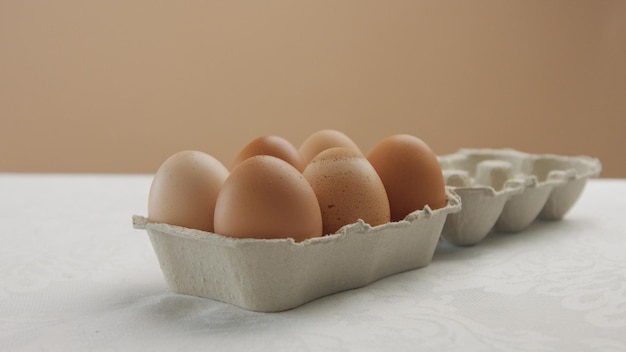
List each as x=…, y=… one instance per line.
x=117, y=86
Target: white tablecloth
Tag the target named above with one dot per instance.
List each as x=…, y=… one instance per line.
x=75, y=275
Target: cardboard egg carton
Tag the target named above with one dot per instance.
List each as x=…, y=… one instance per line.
x=506, y=190
x=279, y=274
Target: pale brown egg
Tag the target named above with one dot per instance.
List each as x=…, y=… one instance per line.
x=322, y=140
x=184, y=190
x=273, y=146
x=411, y=174
x=266, y=197
x=347, y=189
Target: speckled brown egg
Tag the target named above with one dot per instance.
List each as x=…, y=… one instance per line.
x=347, y=189
x=411, y=173
x=322, y=140
x=184, y=190
x=265, y=197
x=271, y=145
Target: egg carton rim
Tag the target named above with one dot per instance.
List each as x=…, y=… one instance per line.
x=358, y=228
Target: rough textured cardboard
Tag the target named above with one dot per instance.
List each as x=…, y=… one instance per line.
x=275, y=275
x=500, y=189
x=506, y=190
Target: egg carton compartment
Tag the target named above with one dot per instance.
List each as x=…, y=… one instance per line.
x=279, y=274
x=506, y=190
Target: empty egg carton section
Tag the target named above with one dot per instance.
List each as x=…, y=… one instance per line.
x=506, y=190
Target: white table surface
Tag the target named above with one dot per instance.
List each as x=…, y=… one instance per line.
x=75, y=275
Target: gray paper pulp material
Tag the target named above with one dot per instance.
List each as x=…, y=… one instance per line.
x=279, y=274
x=506, y=190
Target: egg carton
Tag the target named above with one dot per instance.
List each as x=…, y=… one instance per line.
x=506, y=190
x=270, y=275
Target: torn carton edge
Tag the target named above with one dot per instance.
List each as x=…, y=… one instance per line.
x=270, y=275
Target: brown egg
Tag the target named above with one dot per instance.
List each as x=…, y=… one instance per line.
x=411, y=174
x=347, y=189
x=322, y=140
x=184, y=190
x=266, y=197
x=273, y=146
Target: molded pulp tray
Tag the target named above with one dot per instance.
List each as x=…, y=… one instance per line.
x=506, y=190
x=280, y=274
